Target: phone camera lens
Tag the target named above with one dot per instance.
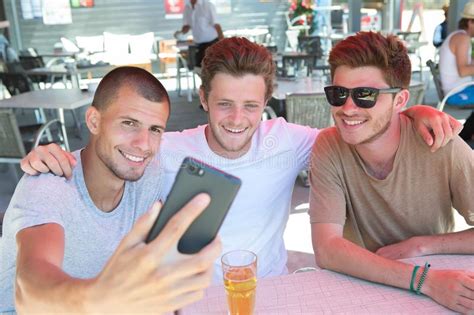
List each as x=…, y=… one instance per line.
x=201, y=172
x=192, y=169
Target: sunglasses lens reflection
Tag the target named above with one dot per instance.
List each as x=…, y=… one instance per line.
x=363, y=97
x=336, y=95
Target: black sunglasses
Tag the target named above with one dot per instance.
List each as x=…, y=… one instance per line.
x=364, y=97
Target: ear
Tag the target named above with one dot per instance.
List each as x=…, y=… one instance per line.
x=202, y=98
x=93, y=120
x=401, y=99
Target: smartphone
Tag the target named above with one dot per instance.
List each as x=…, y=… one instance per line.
x=196, y=177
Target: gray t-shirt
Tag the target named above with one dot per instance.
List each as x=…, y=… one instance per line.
x=91, y=235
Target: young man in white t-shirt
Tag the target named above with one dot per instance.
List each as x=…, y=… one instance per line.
x=237, y=82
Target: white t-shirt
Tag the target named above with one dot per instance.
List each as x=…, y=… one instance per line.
x=201, y=20
x=448, y=69
x=258, y=216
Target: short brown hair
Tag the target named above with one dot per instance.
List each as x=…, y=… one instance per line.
x=237, y=56
x=388, y=53
x=463, y=23
x=144, y=83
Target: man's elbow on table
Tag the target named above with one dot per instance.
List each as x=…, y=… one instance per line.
x=325, y=239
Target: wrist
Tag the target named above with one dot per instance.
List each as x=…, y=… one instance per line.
x=92, y=297
x=424, y=245
x=428, y=286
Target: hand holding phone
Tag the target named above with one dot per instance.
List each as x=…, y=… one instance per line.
x=196, y=177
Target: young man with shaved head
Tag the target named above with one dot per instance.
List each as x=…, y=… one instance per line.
x=78, y=246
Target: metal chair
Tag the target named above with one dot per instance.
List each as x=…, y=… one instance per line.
x=455, y=90
x=13, y=147
x=268, y=113
x=439, y=88
x=186, y=61
x=417, y=92
x=310, y=110
x=31, y=62
x=436, y=78
x=18, y=82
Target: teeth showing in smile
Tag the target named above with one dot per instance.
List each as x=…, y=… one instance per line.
x=133, y=158
x=234, y=130
x=353, y=122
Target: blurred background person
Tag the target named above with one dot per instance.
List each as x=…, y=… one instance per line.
x=456, y=68
x=200, y=17
x=441, y=31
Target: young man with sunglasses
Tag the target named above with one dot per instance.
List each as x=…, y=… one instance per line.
x=377, y=193
x=237, y=81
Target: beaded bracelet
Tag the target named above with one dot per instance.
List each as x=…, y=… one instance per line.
x=413, y=277
x=422, y=278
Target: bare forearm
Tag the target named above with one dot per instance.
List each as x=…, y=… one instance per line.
x=43, y=287
x=218, y=28
x=450, y=243
x=466, y=70
x=345, y=257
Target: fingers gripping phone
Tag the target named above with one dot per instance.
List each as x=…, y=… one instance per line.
x=196, y=177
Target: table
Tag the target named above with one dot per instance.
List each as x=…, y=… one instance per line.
x=326, y=292
x=64, y=71
x=257, y=35
x=58, y=99
x=304, y=85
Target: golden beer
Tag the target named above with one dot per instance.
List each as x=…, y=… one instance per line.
x=239, y=269
x=240, y=286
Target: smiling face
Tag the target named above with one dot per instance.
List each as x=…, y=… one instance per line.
x=359, y=125
x=234, y=106
x=127, y=133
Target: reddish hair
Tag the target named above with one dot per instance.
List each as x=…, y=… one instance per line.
x=388, y=53
x=237, y=56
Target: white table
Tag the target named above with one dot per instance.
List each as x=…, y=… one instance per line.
x=68, y=71
x=304, y=85
x=58, y=99
x=327, y=292
x=254, y=34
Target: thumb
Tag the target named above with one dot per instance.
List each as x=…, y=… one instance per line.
x=71, y=158
x=456, y=125
x=426, y=134
x=142, y=227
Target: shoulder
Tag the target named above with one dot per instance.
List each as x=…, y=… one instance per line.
x=329, y=148
x=44, y=186
x=459, y=38
x=454, y=151
x=40, y=200
x=328, y=137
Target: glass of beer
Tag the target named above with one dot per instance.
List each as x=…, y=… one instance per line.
x=240, y=280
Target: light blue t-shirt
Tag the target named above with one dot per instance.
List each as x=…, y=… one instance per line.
x=91, y=235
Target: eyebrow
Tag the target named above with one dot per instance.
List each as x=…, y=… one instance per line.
x=232, y=101
x=137, y=121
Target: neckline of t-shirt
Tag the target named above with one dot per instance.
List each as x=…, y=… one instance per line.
x=396, y=161
x=78, y=175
